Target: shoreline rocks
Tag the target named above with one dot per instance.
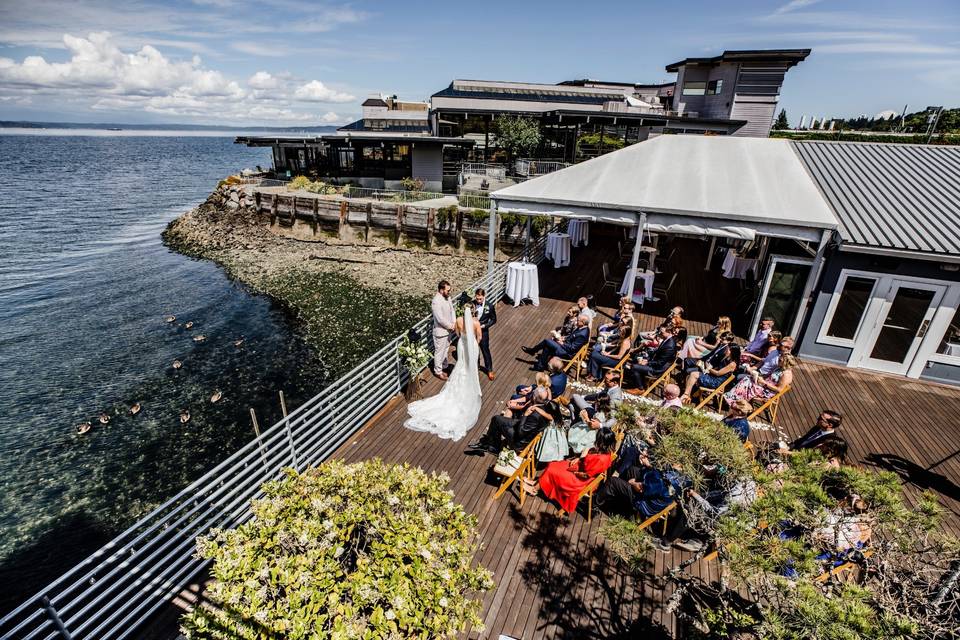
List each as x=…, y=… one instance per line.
x=350, y=297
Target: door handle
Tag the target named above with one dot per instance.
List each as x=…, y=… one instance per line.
x=923, y=329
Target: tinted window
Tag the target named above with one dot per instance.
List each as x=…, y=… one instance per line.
x=853, y=301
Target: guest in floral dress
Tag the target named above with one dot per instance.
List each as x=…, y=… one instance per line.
x=563, y=480
x=763, y=388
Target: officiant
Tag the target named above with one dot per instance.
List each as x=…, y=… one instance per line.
x=487, y=317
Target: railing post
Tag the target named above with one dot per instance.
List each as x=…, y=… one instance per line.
x=366, y=229
x=256, y=429
x=55, y=618
x=286, y=422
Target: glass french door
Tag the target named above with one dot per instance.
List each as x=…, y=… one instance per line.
x=902, y=323
x=782, y=292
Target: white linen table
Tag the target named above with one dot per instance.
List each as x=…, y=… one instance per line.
x=558, y=248
x=579, y=231
x=735, y=267
x=522, y=283
x=643, y=288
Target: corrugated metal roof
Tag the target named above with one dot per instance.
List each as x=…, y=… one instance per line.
x=887, y=195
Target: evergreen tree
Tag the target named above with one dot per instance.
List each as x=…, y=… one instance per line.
x=781, y=122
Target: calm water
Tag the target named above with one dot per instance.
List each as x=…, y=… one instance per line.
x=85, y=284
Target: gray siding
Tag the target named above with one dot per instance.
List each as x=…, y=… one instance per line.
x=427, y=164
x=759, y=117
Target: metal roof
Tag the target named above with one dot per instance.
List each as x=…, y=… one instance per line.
x=789, y=56
x=892, y=196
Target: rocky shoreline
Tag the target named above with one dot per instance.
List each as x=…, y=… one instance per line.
x=347, y=297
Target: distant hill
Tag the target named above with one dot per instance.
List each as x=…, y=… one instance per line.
x=8, y=124
x=915, y=122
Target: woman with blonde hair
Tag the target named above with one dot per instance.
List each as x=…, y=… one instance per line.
x=696, y=347
x=757, y=387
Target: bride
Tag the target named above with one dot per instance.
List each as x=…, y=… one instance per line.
x=453, y=411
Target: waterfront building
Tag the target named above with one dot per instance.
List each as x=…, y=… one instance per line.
x=734, y=93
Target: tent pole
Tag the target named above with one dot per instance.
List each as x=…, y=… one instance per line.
x=636, y=254
x=492, y=237
x=526, y=239
x=815, y=269
x=713, y=246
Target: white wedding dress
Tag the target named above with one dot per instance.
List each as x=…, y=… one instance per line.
x=453, y=412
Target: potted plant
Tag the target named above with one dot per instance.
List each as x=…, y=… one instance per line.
x=413, y=357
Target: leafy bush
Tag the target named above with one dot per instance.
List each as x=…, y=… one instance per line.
x=517, y=135
x=364, y=550
x=412, y=184
x=298, y=183
x=475, y=217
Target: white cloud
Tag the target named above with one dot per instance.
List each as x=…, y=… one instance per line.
x=263, y=80
x=316, y=91
x=99, y=75
x=793, y=5
x=263, y=50
x=886, y=46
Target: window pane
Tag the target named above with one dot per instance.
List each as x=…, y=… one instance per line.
x=951, y=339
x=903, y=322
x=715, y=87
x=783, y=297
x=853, y=301
x=694, y=88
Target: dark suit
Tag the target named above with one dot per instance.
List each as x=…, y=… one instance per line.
x=571, y=344
x=811, y=438
x=487, y=318
x=659, y=361
x=514, y=433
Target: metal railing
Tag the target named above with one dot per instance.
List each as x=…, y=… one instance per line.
x=474, y=200
x=532, y=168
x=496, y=171
x=391, y=195
x=120, y=586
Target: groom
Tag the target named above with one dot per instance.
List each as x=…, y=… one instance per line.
x=444, y=323
x=487, y=317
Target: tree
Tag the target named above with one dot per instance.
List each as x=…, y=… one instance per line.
x=782, y=122
x=517, y=135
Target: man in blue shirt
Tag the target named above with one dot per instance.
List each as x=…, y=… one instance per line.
x=564, y=347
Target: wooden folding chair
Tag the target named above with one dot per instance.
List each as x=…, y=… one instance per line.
x=578, y=357
x=714, y=393
x=619, y=366
x=770, y=406
x=594, y=484
x=846, y=566
x=663, y=379
x=660, y=515
x=526, y=456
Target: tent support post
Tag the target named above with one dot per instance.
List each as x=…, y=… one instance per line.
x=635, y=258
x=815, y=269
x=492, y=237
x=713, y=246
x=526, y=239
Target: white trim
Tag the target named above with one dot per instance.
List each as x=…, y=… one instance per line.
x=768, y=276
x=902, y=253
x=851, y=343
x=935, y=332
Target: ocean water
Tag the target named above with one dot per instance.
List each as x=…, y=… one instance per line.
x=85, y=286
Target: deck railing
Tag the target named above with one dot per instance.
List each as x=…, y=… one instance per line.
x=391, y=195
x=533, y=168
x=496, y=171
x=119, y=587
x=474, y=199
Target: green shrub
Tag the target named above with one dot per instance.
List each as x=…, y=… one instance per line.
x=300, y=182
x=364, y=550
x=475, y=217
x=412, y=184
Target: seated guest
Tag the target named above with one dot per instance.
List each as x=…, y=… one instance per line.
x=641, y=490
x=736, y=418
x=558, y=379
x=582, y=433
x=770, y=362
x=586, y=309
x=564, y=347
x=659, y=361
x=611, y=389
x=759, y=342
x=516, y=432
x=671, y=397
x=679, y=332
x=625, y=310
x=569, y=323
x=696, y=347
x=713, y=372
x=827, y=423
x=563, y=480
x=753, y=386
x=834, y=449
x=609, y=356
x=672, y=316
x=524, y=393
x=768, y=351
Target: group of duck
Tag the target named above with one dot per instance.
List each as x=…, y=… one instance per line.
x=104, y=417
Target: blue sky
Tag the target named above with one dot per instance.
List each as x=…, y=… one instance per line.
x=293, y=62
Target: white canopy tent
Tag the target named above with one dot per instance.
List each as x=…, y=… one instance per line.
x=697, y=185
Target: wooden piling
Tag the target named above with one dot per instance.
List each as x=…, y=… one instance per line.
x=459, y=231
x=431, y=218
x=399, y=225
x=342, y=220
x=366, y=228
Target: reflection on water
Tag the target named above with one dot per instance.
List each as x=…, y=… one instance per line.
x=85, y=284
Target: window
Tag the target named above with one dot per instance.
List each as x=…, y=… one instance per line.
x=950, y=345
x=714, y=87
x=849, y=307
x=694, y=88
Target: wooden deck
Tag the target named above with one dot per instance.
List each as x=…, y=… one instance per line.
x=554, y=577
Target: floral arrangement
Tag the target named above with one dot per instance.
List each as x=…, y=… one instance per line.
x=364, y=550
x=413, y=355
